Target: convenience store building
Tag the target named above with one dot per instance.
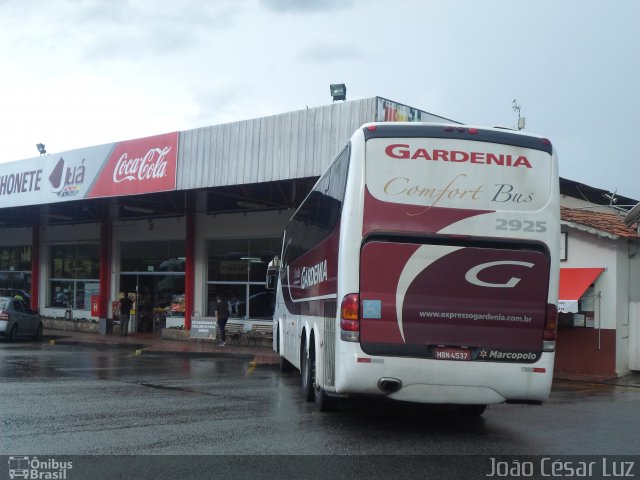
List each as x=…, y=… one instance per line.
x=172, y=219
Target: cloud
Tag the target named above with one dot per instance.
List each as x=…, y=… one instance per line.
x=166, y=29
x=324, y=52
x=306, y=6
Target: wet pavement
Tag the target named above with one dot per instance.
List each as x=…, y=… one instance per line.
x=261, y=354
x=258, y=354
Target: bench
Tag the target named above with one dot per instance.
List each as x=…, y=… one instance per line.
x=260, y=332
x=233, y=331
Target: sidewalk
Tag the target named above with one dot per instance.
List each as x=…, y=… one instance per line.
x=630, y=380
x=154, y=344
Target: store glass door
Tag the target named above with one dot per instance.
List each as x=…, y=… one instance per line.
x=159, y=296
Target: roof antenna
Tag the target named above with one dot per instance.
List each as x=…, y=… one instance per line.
x=611, y=197
x=516, y=108
x=613, y=203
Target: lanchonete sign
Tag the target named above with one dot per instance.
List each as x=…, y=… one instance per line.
x=131, y=167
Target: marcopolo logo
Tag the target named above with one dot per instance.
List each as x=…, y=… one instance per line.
x=507, y=356
x=40, y=469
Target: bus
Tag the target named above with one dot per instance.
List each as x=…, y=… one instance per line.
x=423, y=267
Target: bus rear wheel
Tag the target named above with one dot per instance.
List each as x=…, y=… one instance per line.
x=307, y=369
x=472, y=410
x=324, y=402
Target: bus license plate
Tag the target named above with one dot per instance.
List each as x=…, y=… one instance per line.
x=446, y=353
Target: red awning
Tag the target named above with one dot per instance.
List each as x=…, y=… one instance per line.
x=573, y=283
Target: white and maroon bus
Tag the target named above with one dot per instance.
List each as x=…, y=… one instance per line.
x=423, y=266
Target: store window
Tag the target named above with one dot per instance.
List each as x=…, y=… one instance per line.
x=15, y=271
x=153, y=256
x=74, y=275
x=237, y=270
x=585, y=316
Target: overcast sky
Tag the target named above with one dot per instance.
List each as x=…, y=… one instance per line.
x=77, y=73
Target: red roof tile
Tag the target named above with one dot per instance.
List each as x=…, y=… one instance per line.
x=605, y=222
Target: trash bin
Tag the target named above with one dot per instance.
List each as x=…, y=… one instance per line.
x=102, y=326
x=105, y=326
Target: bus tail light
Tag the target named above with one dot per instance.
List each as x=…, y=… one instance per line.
x=350, y=318
x=550, y=328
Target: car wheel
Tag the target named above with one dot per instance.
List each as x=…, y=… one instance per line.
x=38, y=334
x=13, y=334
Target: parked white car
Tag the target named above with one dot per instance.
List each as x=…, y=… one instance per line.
x=17, y=320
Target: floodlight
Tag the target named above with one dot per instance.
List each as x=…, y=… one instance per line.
x=338, y=91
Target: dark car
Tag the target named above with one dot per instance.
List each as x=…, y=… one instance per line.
x=16, y=320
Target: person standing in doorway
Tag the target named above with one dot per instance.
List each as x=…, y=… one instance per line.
x=222, y=315
x=125, y=312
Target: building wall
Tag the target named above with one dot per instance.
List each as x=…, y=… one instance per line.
x=593, y=351
x=633, y=254
x=15, y=236
x=616, y=287
x=586, y=351
x=628, y=339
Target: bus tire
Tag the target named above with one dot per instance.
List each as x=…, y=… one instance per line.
x=472, y=410
x=324, y=402
x=307, y=371
x=285, y=365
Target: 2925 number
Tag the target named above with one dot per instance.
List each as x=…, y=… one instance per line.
x=515, y=225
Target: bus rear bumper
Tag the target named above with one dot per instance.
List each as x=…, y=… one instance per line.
x=458, y=394
x=443, y=382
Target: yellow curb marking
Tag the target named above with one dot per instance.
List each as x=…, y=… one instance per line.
x=252, y=367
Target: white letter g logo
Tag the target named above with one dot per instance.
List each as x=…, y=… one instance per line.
x=472, y=275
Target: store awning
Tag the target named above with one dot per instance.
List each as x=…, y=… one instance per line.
x=573, y=283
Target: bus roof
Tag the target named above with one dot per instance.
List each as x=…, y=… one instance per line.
x=457, y=132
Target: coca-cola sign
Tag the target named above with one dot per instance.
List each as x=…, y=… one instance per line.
x=152, y=165
x=139, y=166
